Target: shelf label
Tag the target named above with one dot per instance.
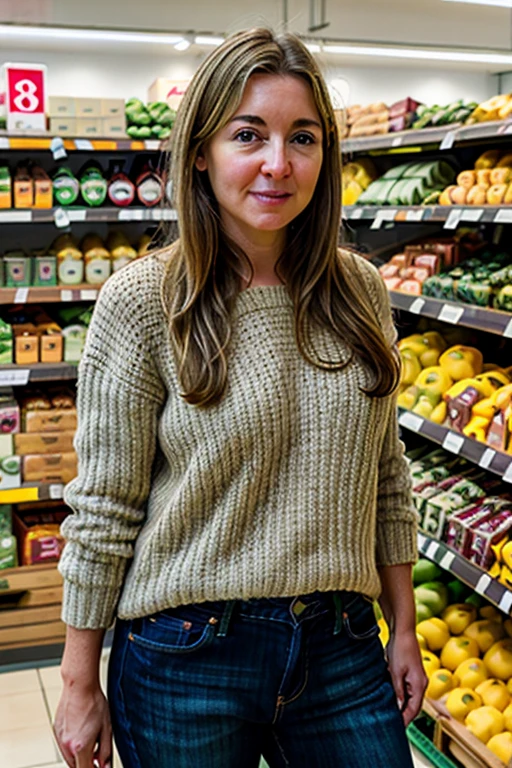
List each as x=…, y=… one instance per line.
x=57, y=148
x=410, y=421
x=505, y=128
x=84, y=144
x=472, y=214
x=21, y=296
x=452, y=222
x=503, y=216
x=15, y=216
x=4, y=142
x=453, y=442
x=79, y=214
x=157, y=214
x=507, y=475
x=66, y=295
x=384, y=214
x=447, y=561
x=483, y=583
x=487, y=457
x=89, y=295
x=56, y=491
x=152, y=144
x=397, y=141
x=414, y=215
x=432, y=549
x=449, y=140
x=170, y=214
x=14, y=377
x=417, y=306
x=356, y=213
x=131, y=214
x=61, y=218
x=508, y=330
x=505, y=604
x=421, y=541
x=450, y=314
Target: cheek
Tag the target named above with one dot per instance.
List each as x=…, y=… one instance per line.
x=233, y=175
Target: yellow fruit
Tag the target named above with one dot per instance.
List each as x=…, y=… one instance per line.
x=461, y=701
x=459, y=195
x=445, y=197
x=507, y=714
x=507, y=624
x=488, y=159
x=458, y=617
x=470, y=673
x=466, y=179
x=509, y=686
x=498, y=659
x=430, y=663
x=490, y=612
x=484, y=723
x=441, y=682
x=494, y=694
x=506, y=553
x=501, y=746
x=421, y=642
x=501, y=175
x=384, y=632
x=496, y=194
x=457, y=650
x=477, y=195
x=435, y=632
x=483, y=177
x=485, y=633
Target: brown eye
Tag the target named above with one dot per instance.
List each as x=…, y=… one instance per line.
x=245, y=136
x=304, y=139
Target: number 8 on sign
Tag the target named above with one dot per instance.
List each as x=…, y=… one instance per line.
x=26, y=96
x=26, y=101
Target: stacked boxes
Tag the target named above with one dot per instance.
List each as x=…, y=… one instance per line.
x=90, y=118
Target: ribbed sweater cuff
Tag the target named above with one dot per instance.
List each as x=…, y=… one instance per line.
x=397, y=542
x=88, y=607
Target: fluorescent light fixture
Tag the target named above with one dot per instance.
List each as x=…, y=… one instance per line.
x=500, y=3
x=422, y=54
x=313, y=47
x=208, y=40
x=182, y=45
x=91, y=35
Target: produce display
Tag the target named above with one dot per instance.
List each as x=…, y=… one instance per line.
x=149, y=121
x=409, y=184
x=485, y=282
x=356, y=177
x=378, y=118
x=488, y=183
x=456, y=112
x=411, y=270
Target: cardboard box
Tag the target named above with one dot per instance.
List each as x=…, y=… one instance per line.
x=87, y=107
x=51, y=348
x=23, y=190
x=26, y=344
x=52, y=420
x=61, y=106
x=43, y=189
x=114, y=126
x=26, y=443
x=63, y=126
x=50, y=467
x=6, y=446
x=112, y=107
x=165, y=89
x=89, y=126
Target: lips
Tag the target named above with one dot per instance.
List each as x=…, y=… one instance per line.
x=270, y=193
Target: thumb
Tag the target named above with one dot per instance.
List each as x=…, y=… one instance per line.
x=398, y=685
x=105, y=746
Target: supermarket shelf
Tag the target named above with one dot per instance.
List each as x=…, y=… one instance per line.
x=479, y=318
x=62, y=217
x=444, y=136
x=32, y=492
x=469, y=573
x=50, y=294
x=37, y=142
x=449, y=215
x=495, y=461
x=20, y=375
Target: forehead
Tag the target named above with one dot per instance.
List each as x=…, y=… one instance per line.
x=278, y=93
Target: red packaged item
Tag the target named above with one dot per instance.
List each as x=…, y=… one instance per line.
x=403, y=106
x=458, y=531
x=488, y=533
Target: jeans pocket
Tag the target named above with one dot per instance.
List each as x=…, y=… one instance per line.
x=171, y=634
x=359, y=619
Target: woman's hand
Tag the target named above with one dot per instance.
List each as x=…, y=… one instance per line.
x=82, y=727
x=407, y=673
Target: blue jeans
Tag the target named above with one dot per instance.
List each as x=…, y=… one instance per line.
x=302, y=681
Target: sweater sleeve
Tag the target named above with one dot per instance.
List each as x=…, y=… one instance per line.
x=118, y=401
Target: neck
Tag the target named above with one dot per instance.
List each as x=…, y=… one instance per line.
x=263, y=252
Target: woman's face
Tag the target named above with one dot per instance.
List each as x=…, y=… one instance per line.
x=264, y=165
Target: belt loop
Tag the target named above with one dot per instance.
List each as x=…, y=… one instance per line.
x=338, y=612
x=226, y=618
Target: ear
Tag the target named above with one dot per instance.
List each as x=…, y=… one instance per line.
x=201, y=163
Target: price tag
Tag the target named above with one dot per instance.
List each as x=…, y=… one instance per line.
x=83, y=144
x=131, y=214
x=56, y=491
x=447, y=561
x=14, y=377
x=356, y=213
x=89, y=295
x=421, y=541
x=507, y=475
x=483, y=583
x=152, y=144
x=384, y=214
x=449, y=140
x=60, y=218
x=453, y=442
x=4, y=142
x=505, y=604
x=452, y=222
x=66, y=295
x=21, y=296
x=171, y=215
x=505, y=128
x=487, y=457
x=450, y=313
x=472, y=214
x=417, y=306
x=415, y=215
x=15, y=217
x=410, y=421
x=57, y=148
x=508, y=330
x=432, y=549
x=157, y=214
x=77, y=214
x=503, y=216
x=397, y=141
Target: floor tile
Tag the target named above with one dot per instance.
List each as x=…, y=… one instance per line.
x=50, y=677
x=22, y=710
x=52, y=697
x=24, y=681
x=25, y=748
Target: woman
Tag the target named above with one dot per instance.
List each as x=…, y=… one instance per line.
x=242, y=494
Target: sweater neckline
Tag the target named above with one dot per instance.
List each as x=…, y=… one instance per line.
x=263, y=297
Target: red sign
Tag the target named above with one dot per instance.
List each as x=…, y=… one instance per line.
x=26, y=90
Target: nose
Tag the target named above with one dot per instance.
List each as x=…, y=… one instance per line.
x=276, y=163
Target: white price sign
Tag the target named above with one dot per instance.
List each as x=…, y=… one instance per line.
x=453, y=443
x=356, y=213
x=452, y=222
x=397, y=141
x=14, y=377
x=483, y=583
x=66, y=295
x=449, y=140
x=417, y=306
x=83, y=144
x=450, y=313
x=508, y=330
x=447, y=561
x=56, y=491
x=503, y=216
x=487, y=457
x=508, y=474
x=432, y=549
x=77, y=214
x=4, y=142
x=385, y=214
x=21, y=296
x=415, y=215
x=505, y=603
x=61, y=218
x=421, y=541
x=472, y=214
x=89, y=295
x=410, y=421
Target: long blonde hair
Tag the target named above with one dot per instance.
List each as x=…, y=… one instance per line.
x=204, y=267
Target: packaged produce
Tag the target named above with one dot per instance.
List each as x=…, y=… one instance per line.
x=121, y=191
x=70, y=263
x=43, y=191
x=45, y=271
x=39, y=534
x=5, y=187
x=150, y=187
x=121, y=252
x=8, y=551
x=408, y=184
x=23, y=187
x=98, y=265
x=17, y=269
x=66, y=187
x=93, y=185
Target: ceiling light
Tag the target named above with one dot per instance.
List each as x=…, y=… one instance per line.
x=208, y=40
x=182, y=45
x=313, y=47
x=418, y=53
x=501, y=3
x=92, y=35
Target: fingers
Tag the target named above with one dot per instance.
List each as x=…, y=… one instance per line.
x=415, y=687
x=84, y=759
x=398, y=681
x=104, y=751
x=64, y=750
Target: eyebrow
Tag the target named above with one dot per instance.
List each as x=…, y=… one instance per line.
x=302, y=122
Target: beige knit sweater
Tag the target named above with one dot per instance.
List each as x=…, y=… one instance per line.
x=295, y=482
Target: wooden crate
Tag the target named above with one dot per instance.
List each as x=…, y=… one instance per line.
x=30, y=605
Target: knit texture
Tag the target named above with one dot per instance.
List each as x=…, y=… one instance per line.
x=295, y=482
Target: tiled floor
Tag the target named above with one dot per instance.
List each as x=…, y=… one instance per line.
x=28, y=700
